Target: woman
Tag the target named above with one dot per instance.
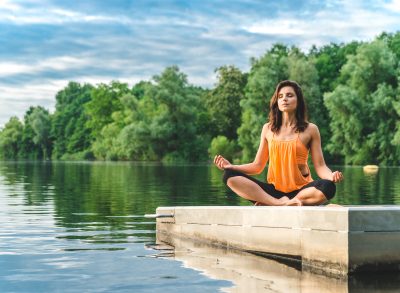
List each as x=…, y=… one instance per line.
x=286, y=141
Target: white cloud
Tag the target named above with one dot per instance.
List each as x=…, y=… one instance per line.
x=278, y=27
x=350, y=22
x=15, y=101
x=393, y=6
x=60, y=63
x=24, y=16
x=9, y=5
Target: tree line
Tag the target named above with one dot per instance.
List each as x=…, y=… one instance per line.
x=351, y=89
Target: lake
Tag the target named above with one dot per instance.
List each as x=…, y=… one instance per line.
x=80, y=227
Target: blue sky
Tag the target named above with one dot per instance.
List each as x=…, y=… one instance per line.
x=45, y=44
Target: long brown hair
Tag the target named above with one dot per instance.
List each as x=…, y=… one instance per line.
x=275, y=115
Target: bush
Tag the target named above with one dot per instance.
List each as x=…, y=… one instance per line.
x=220, y=145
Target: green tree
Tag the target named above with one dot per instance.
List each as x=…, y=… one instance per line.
x=223, y=102
x=159, y=124
x=393, y=42
x=134, y=141
x=221, y=145
x=105, y=99
x=40, y=121
x=69, y=127
x=384, y=118
x=363, y=109
x=104, y=147
x=128, y=136
x=140, y=89
x=104, y=110
x=347, y=112
x=28, y=149
x=329, y=60
x=10, y=138
x=173, y=129
x=374, y=63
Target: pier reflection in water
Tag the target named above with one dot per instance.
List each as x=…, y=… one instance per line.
x=253, y=273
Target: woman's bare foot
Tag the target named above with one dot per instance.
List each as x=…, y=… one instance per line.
x=293, y=202
x=283, y=200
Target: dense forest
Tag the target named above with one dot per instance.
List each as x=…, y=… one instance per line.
x=352, y=92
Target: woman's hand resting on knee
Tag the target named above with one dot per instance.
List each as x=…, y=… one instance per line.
x=221, y=162
x=337, y=176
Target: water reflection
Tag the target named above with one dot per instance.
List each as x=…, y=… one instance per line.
x=359, y=187
x=251, y=273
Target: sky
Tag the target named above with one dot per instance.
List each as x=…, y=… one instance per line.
x=45, y=44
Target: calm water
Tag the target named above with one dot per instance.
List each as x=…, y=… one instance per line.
x=79, y=227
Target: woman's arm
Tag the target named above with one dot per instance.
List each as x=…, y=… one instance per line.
x=318, y=158
x=257, y=166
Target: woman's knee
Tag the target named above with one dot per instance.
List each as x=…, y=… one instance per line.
x=311, y=196
x=327, y=187
x=320, y=197
x=229, y=173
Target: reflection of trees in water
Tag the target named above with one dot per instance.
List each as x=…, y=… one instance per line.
x=98, y=192
x=368, y=188
x=31, y=179
x=109, y=191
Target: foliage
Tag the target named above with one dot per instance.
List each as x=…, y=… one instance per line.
x=363, y=108
x=10, y=138
x=105, y=100
x=40, y=122
x=27, y=148
x=69, y=126
x=173, y=129
x=223, y=102
x=222, y=145
x=329, y=60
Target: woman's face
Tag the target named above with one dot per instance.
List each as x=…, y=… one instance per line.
x=287, y=99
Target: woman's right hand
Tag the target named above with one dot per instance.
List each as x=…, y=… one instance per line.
x=221, y=162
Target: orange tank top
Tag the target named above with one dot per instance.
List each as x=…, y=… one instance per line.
x=284, y=156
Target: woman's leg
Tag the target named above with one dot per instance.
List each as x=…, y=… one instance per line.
x=252, y=191
x=311, y=196
x=248, y=188
x=317, y=192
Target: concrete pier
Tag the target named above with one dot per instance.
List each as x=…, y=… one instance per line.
x=329, y=240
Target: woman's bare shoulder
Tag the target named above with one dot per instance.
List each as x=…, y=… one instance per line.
x=312, y=129
x=266, y=130
x=266, y=127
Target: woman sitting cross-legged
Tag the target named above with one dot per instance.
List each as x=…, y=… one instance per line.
x=286, y=141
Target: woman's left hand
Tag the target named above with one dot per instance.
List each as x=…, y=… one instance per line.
x=337, y=176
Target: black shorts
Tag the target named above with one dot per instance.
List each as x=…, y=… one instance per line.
x=327, y=187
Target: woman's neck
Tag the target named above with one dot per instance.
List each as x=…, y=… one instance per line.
x=288, y=119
